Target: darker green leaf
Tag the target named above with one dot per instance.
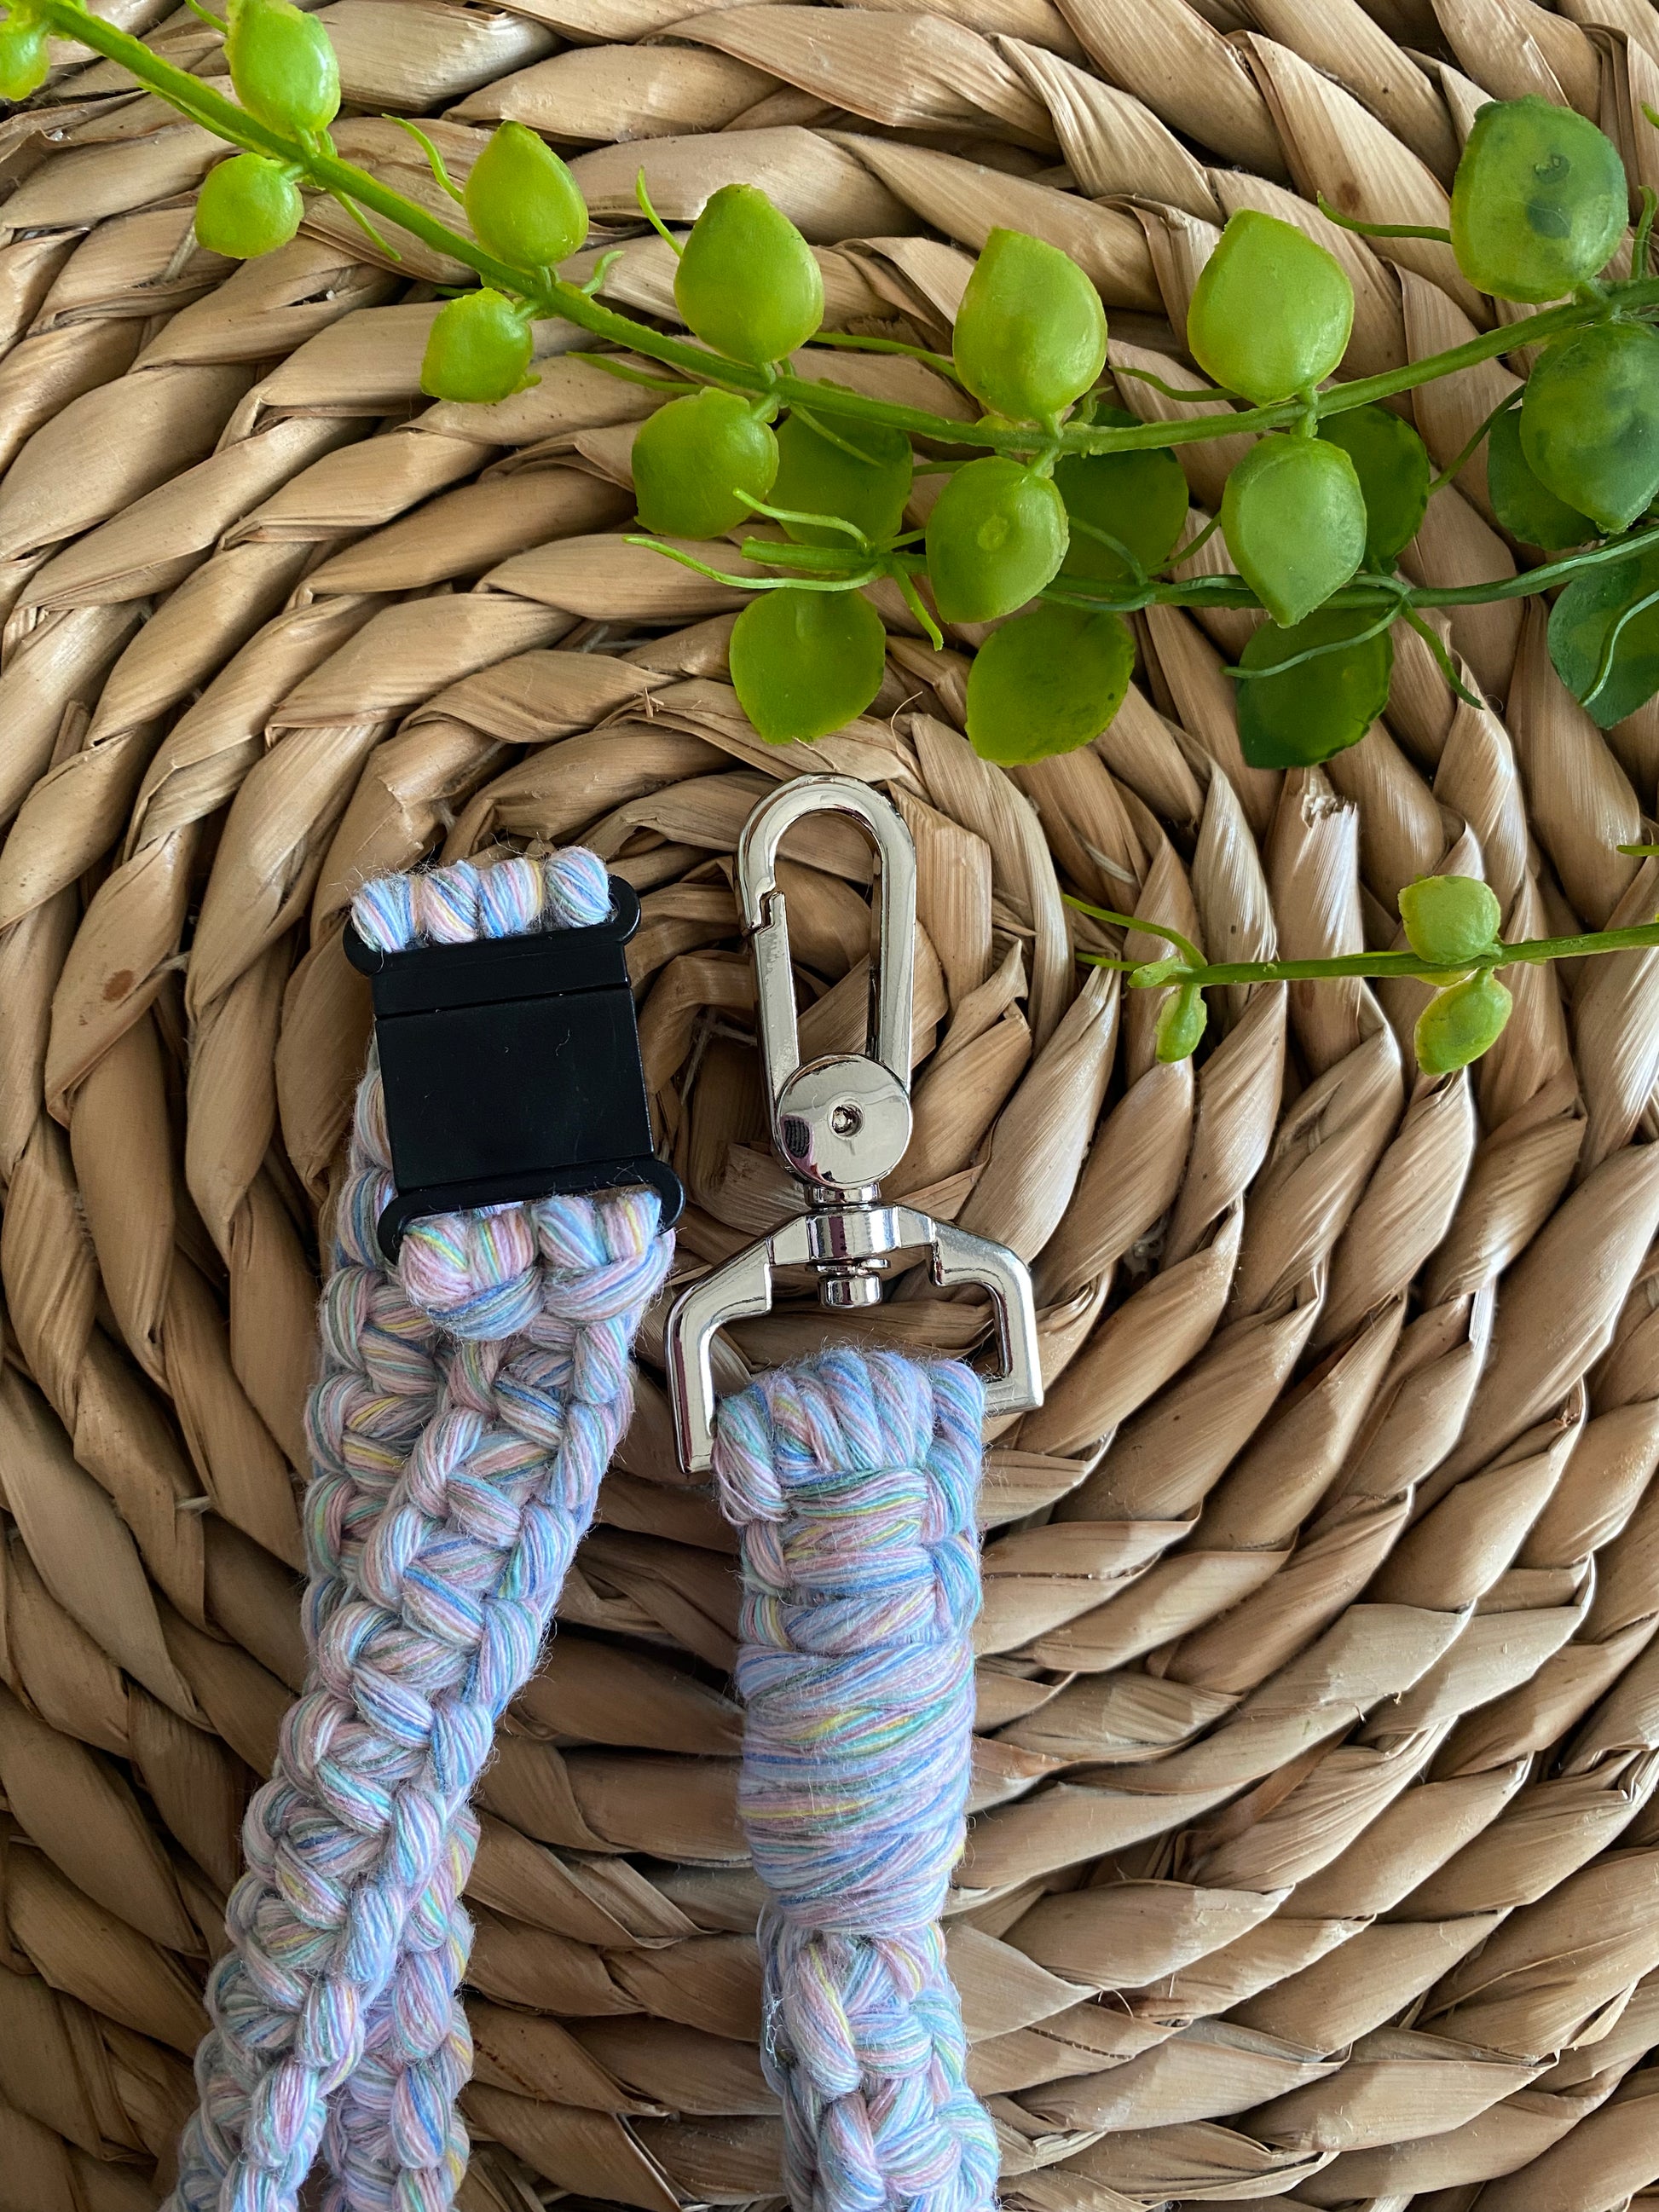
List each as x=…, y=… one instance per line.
x=860, y=473
x=1392, y=464
x=1321, y=705
x=1525, y=505
x=1138, y=499
x=1604, y=636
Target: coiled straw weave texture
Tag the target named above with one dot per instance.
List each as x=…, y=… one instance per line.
x=1314, y=1849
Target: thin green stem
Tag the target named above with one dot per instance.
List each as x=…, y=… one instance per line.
x=1438, y=232
x=1524, y=587
x=1061, y=593
x=381, y=245
x=855, y=341
x=1232, y=590
x=434, y=160
x=1184, y=945
x=1609, y=651
x=1184, y=553
x=1439, y=483
x=834, y=437
x=1078, y=526
x=1205, y=973
x=651, y=215
x=1386, y=620
x=593, y=282
x=1436, y=646
x=788, y=514
x=828, y=560
x=1638, y=251
x=1188, y=395
x=1195, y=429
x=1642, y=936
x=918, y=606
x=794, y=583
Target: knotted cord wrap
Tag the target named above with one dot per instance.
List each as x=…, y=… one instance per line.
x=852, y=1478
x=470, y=1400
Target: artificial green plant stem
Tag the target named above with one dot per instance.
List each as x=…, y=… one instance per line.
x=552, y=295
x=1642, y=936
x=1232, y=592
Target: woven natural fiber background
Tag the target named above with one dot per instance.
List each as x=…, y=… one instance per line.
x=1315, y=1854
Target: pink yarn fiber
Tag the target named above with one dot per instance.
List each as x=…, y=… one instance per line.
x=469, y=1403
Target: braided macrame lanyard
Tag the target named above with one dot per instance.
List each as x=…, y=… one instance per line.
x=470, y=1400
x=854, y=1478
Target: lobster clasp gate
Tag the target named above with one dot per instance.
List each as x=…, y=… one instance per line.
x=841, y=1125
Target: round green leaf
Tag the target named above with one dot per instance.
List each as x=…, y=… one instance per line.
x=1294, y=519
x=247, y=206
x=1047, y=682
x=1450, y=919
x=1523, y=502
x=479, y=348
x=1392, y=464
x=1458, y=1025
x=747, y=281
x=861, y=474
x=25, y=63
x=1321, y=706
x=996, y=536
x=522, y=204
x=1138, y=498
x=1181, y=1024
x=1030, y=333
x=696, y=462
x=1604, y=641
x=283, y=65
x=805, y=663
x=1538, y=200
x=1590, y=421
x=1271, y=310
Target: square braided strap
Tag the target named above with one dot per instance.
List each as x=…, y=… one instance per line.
x=470, y=1400
x=854, y=1478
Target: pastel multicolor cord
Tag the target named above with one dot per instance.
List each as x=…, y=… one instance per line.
x=854, y=1478
x=470, y=1402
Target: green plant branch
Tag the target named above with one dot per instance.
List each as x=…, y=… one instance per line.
x=941, y=364
x=1188, y=965
x=551, y=296
x=311, y=155
x=1642, y=936
x=1232, y=592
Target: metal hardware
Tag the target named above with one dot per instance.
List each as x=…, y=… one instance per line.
x=511, y=1068
x=841, y=1125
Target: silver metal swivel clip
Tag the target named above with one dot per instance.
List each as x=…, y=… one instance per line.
x=840, y=1125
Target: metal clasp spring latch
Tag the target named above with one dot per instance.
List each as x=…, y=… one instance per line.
x=840, y=1125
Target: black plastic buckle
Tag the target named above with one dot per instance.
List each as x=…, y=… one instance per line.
x=512, y=1069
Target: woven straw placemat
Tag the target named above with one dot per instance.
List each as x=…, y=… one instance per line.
x=1314, y=1855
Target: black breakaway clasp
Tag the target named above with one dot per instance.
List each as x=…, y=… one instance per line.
x=512, y=1069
